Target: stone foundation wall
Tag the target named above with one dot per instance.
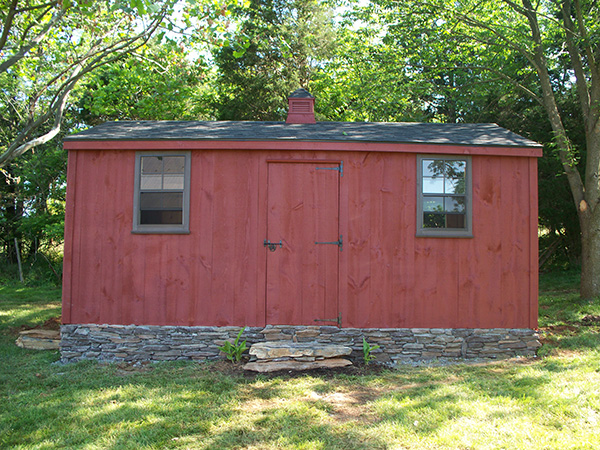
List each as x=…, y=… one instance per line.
x=132, y=343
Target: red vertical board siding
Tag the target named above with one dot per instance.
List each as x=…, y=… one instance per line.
x=515, y=249
x=405, y=276
x=380, y=287
x=359, y=240
x=481, y=257
x=436, y=281
x=70, y=258
x=216, y=275
x=201, y=222
x=533, y=273
x=233, y=229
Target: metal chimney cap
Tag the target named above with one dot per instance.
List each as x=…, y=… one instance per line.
x=300, y=93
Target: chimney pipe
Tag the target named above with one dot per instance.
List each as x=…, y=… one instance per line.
x=301, y=107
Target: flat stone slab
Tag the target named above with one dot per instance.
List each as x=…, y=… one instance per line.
x=274, y=350
x=274, y=366
x=39, y=339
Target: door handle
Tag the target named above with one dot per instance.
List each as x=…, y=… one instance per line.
x=272, y=245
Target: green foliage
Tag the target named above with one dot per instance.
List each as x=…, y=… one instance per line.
x=275, y=50
x=32, y=199
x=234, y=351
x=160, y=82
x=367, y=351
x=46, y=48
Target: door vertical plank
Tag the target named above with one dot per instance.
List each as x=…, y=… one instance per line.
x=302, y=277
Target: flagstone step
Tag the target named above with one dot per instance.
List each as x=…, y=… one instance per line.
x=285, y=355
x=39, y=339
x=291, y=364
x=273, y=350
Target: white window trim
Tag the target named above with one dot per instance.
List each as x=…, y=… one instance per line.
x=183, y=228
x=445, y=232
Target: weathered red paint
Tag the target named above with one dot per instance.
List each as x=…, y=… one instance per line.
x=302, y=276
x=221, y=274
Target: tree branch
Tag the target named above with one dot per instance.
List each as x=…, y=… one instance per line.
x=35, y=41
x=580, y=78
x=93, y=59
x=34, y=7
x=584, y=35
x=33, y=23
x=8, y=23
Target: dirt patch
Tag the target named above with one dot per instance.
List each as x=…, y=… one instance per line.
x=53, y=323
x=559, y=329
x=591, y=320
x=344, y=404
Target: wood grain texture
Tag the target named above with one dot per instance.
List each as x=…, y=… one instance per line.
x=220, y=273
x=302, y=277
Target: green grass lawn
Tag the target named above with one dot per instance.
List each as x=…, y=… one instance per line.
x=551, y=402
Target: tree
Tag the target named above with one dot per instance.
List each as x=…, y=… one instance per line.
x=276, y=49
x=46, y=48
x=546, y=51
x=160, y=82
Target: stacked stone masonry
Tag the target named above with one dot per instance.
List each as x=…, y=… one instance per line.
x=134, y=343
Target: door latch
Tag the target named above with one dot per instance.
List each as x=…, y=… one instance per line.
x=272, y=245
x=339, y=243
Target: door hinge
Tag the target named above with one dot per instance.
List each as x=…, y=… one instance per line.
x=339, y=168
x=339, y=243
x=338, y=320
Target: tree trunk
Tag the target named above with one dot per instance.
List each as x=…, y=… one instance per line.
x=590, y=255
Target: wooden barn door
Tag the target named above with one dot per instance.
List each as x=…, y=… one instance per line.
x=302, y=271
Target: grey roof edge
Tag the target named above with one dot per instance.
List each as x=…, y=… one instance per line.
x=483, y=134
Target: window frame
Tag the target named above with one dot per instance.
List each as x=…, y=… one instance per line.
x=184, y=227
x=466, y=232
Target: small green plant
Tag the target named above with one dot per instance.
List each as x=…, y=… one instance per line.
x=234, y=351
x=367, y=349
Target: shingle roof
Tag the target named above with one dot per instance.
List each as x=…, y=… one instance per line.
x=488, y=134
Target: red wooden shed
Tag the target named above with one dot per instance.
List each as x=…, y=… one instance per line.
x=203, y=226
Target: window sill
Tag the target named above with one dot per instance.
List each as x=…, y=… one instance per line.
x=445, y=234
x=160, y=231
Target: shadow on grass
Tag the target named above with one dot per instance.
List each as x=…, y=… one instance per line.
x=187, y=405
x=87, y=404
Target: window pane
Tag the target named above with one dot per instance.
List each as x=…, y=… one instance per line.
x=161, y=200
x=455, y=204
x=151, y=164
x=433, y=185
x=161, y=217
x=433, y=204
x=173, y=182
x=434, y=220
x=433, y=168
x=455, y=221
x=151, y=182
x=455, y=169
x=454, y=186
x=173, y=200
x=174, y=164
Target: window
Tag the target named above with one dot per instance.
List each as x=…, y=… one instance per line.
x=444, y=196
x=162, y=192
